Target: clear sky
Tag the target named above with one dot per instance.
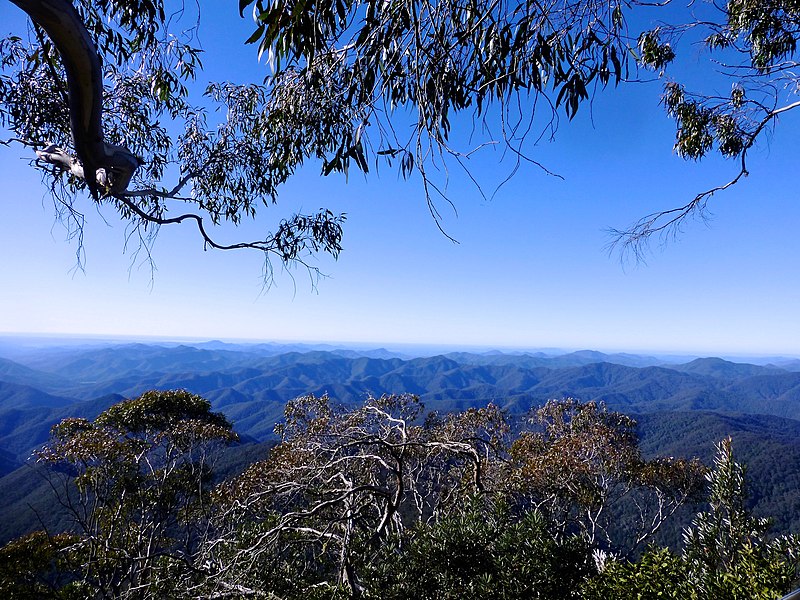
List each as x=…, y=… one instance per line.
x=530, y=269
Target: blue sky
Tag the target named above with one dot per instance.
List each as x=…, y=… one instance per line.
x=530, y=269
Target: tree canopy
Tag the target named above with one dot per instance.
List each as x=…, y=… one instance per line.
x=384, y=500
x=105, y=92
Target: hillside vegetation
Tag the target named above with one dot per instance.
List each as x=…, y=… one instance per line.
x=385, y=500
x=680, y=410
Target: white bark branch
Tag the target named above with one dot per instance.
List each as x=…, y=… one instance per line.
x=105, y=168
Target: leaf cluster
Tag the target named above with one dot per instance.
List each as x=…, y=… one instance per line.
x=142, y=470
x=727, y=552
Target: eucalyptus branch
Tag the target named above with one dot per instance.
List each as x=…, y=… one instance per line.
x=667, y=223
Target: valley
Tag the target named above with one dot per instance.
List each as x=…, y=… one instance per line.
x=682, y=408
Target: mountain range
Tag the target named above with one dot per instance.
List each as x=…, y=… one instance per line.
x=682, y=407
x=252, y=384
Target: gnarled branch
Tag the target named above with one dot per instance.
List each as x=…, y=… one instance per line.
x=111, y=167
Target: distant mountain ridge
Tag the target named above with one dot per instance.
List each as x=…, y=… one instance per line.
x=251, y=385
x=682, y=408
x=723, y=369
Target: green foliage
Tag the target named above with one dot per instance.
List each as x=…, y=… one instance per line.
x=142, y=470
x=380, y=499
x=768, y=28
x=766, y=444
x=344, y=480
x=727, y=548
x=162, y=410
x=653, y=53
x=146, y=85
x=657, y=575
x=764, y=31
x=345, y=74
x=585, y=463
x=481, y=552
x=701, y=126
x=134, y=94
x=37, y=567
x=384, y=501
x=441, y=58
x=727, y=553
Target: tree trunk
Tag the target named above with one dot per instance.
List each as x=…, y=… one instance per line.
x=104, y=167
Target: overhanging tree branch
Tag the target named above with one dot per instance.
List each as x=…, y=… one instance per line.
x=667, y=223
x=320, y=231
x=106, y=168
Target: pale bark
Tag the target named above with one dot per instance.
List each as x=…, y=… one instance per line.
x=112, y=166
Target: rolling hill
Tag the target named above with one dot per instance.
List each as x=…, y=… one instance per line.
x=682, y=408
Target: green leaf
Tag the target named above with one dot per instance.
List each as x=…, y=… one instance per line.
x=242, y=5
x=256, y=35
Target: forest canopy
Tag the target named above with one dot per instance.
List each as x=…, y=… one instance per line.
x=385, y=500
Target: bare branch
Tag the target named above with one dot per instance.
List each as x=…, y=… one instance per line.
x=667, y=224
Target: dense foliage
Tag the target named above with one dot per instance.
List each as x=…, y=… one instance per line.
x=384, y=500
x=140, y=500
x=727, y=553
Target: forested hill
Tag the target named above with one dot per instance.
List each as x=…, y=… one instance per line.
x=251, y=384
x=756, y=404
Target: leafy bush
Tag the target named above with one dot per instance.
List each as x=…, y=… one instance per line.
x=482, y=552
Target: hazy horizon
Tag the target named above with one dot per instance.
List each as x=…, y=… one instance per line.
x=44, y=340
x=531, y=268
